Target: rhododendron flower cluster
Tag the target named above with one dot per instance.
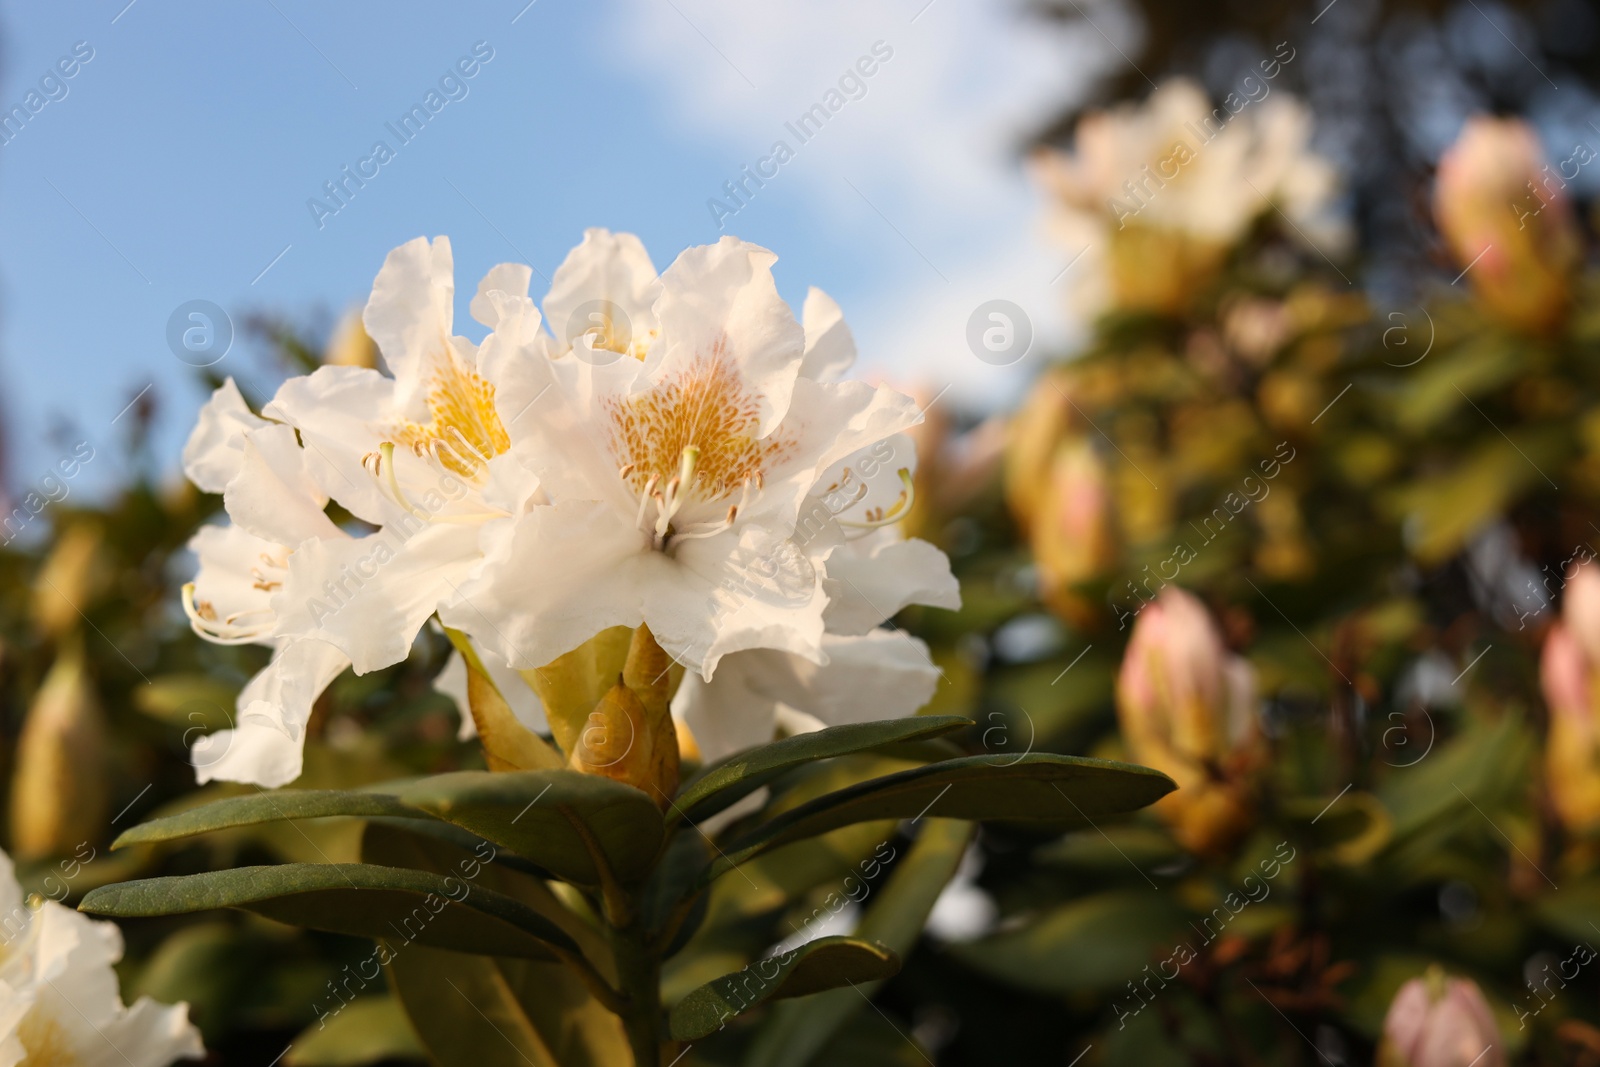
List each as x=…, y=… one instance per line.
x=672, y=451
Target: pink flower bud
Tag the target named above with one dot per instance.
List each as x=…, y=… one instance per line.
x=1580, y=609
x=1508, y=220
x=1572, y=749
x=1187, y=708
x=1436, y=1021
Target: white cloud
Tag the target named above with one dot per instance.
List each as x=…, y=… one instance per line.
x=940, y=207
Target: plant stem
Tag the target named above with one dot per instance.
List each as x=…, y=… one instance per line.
x=639, y=973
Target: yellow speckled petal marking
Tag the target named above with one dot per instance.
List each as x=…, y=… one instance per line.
x=464, y=430
x=706, y=406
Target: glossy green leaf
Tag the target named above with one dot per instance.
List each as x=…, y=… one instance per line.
x=264, y=807
x=817, y=966
x=544, y=816
x=742, y=774
x=1065, y=791
x=795, y=1031
x=368, y=1030
x=479, y=1011
x=349, y=898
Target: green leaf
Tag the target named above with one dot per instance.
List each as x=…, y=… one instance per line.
x=187, y=700
x=795, y=1031
x=364, y=1031
x=724, y=783
x=538, y=815
x=1443, y=509
x=478, y=1011
x=817, y=966
x=1094, y=944
x=420, y=846
x=1065, y=791
x=1484, y=763
x=1352, y=831
x=1436, y=391
x=264, y=807
x=349, y=898
x=1111, y=852
x=1572, y=911
x=678, y=872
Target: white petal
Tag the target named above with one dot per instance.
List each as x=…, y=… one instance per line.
x=10, y=895
x=830, y=422
x=609, y=268
x=763, y=592
x=727, y=715
x=212, y=455
x=273, y=495
x=266, y=746
x=883, y=675
x=830, y=346
x=235, y=565
x=553, y=410
x=409, y=315
x=15, y=1003
x=869, y=581
x=149, y=1034
x=551, y=580
x=370, y=595
x=452, y=682
x=72, y=956
x=77, y=1002
x=510, y=279
x=341, y=413
x=720, y=302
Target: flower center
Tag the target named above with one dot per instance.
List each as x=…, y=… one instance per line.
x=692, y=439
x=463, y=432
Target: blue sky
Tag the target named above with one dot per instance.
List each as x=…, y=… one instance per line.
x=179, y=163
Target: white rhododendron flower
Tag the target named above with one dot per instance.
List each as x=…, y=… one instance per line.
x=424, y=455
x=59, y=1002
x=676, y=475
x=259, y=469
x=676, y=452
x=1175, y=177
x=885, y=674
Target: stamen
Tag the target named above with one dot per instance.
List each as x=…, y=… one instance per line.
x=224, y=632
x=644, y=501
x=880, y=517
x=479, y=456
x=686, y=464
x=710, y=529
x=393, y=482
x=375, y=464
